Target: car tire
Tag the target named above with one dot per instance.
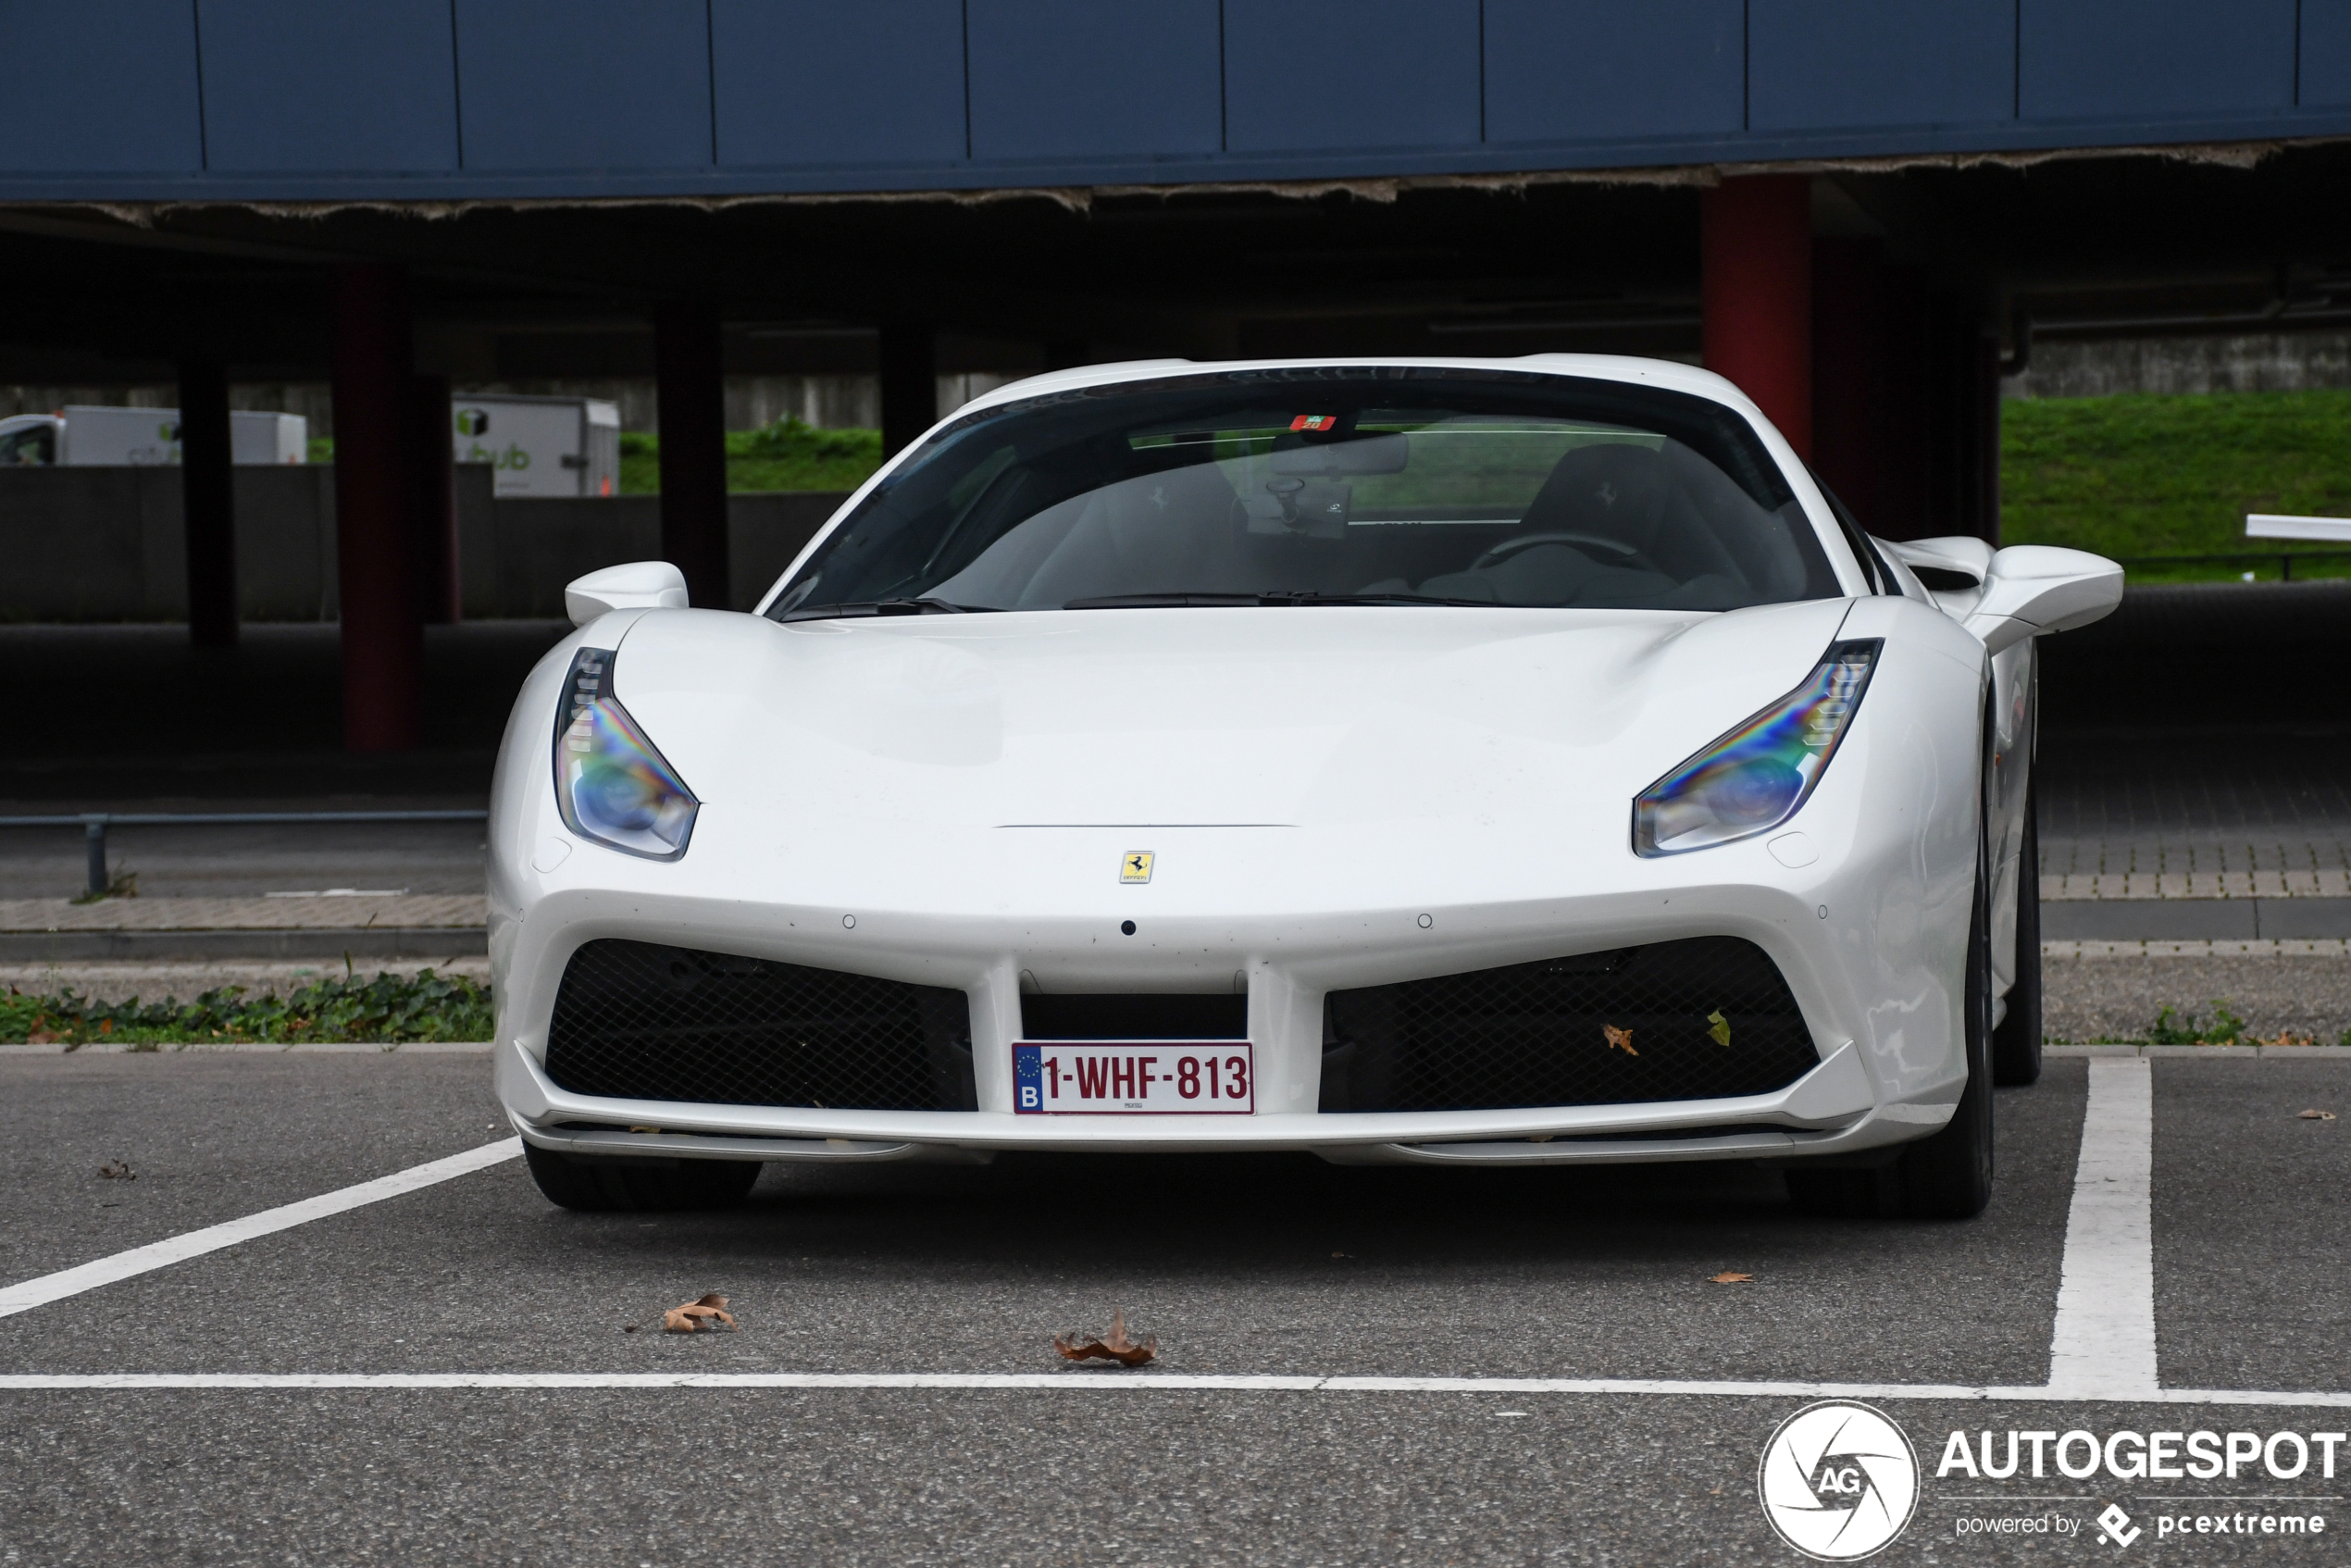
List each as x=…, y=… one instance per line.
x=638, y=1186
x=1949, y=1174
x=2016, y=1044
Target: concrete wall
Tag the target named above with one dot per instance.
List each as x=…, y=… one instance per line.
x=2241, y=362
x=107, y=544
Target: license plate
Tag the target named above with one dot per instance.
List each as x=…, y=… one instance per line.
x=1155, y=1078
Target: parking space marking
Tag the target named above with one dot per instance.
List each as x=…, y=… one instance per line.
x=1148, y=1381
x=49, y=1287
x=2103, y=1346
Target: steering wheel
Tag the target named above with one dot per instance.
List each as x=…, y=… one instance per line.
x=1617, y=547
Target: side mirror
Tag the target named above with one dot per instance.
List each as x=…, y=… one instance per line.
x=639, y=585
x=2032, y=590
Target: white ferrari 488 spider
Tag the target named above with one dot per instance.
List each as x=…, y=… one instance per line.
x=1439, y=762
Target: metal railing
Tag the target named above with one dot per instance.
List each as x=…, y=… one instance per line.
x=94, y=824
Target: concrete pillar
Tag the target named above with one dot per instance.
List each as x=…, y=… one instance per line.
x=909, y=382
x=1756, y=294
x=689, y=391
x=374, y=400
x=433, y=473
x=209, y=501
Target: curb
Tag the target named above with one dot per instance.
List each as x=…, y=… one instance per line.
x=2272, y=1052
x=450, y=941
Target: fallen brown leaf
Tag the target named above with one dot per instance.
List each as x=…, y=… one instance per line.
x=708, y=1313
x=117, y=1170
x=1114, y=1346
x=2315, y=1116
x=1727, y=1277
x=42, y=1037
x=1619, y=1039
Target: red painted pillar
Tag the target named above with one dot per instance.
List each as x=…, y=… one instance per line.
x=433, y=473
x=690, y=396
x=1756, y=244
x=374, y=398
x=209, y=501
x=909, y=382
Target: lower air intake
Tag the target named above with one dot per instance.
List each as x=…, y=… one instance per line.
x=637, y=1021
x=1702, y=1019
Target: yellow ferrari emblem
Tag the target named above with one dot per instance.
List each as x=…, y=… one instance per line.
x=1135, y=867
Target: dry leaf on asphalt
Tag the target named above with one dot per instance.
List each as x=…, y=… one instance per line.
x=708, y=1313
x=1726, y=1277
x=117, y=1170
x=2315, y=1116
x=1114, y=1346
x=1619, y=1039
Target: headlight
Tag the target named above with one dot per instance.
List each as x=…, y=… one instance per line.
x=612, y=784
x=1755, y=778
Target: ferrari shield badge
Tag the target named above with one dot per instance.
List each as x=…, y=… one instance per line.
x=1135, y=867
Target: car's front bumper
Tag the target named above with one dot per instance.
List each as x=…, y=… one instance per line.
x=1831, y=1110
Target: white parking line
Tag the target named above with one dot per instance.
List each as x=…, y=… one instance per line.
x=56, y=1287
x=2104, y=1343
x=1144, y=1381
x=2102, y=1349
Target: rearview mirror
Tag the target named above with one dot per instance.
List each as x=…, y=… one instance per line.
x=2032, y=590
x=639, y=585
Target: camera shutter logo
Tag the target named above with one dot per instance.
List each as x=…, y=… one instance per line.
x=1839, y=1481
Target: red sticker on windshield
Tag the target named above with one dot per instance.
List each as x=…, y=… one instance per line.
x=1314, y=422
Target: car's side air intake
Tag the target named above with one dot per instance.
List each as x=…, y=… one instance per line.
x=640, y=1021
x=1702, y=1019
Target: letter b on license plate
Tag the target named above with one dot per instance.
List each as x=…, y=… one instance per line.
x=1159, y=1078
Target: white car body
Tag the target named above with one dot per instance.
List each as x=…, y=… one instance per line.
x=1339, y=799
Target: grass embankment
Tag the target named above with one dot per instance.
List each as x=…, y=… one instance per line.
x=388, y=1010
x=787, y=454
x=2147, y=474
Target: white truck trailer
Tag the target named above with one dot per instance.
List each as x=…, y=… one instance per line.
x=91, y=437
x=541, y=446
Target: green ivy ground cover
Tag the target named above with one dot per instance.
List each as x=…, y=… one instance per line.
x=788, y=455
x=2146, y=474
x=388, y=1010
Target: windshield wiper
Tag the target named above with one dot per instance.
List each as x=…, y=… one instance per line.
x=881, y=608
x=1270, y=599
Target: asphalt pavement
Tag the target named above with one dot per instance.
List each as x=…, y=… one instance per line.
x=1257, y=1266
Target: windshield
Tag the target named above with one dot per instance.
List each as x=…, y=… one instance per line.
x=1285, y=486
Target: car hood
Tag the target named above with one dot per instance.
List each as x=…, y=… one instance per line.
x=1297, y=717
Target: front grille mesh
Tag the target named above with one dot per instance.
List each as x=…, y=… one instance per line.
x=1537, y=1034
x=640, y=1021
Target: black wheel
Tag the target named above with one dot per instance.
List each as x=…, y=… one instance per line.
x=1948, y=1175
x=2016, y=1044
x=643, y=1185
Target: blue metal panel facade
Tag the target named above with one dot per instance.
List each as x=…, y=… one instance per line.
x=1373, y=73
x=1090, y=81
x=815, y=81
x=2324, y=58
x=326, y=99
x=1820, y=64
x=100, y=86
x=289, y=84
x=2080, y=58
x=1597, y=70
x=585, y=84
